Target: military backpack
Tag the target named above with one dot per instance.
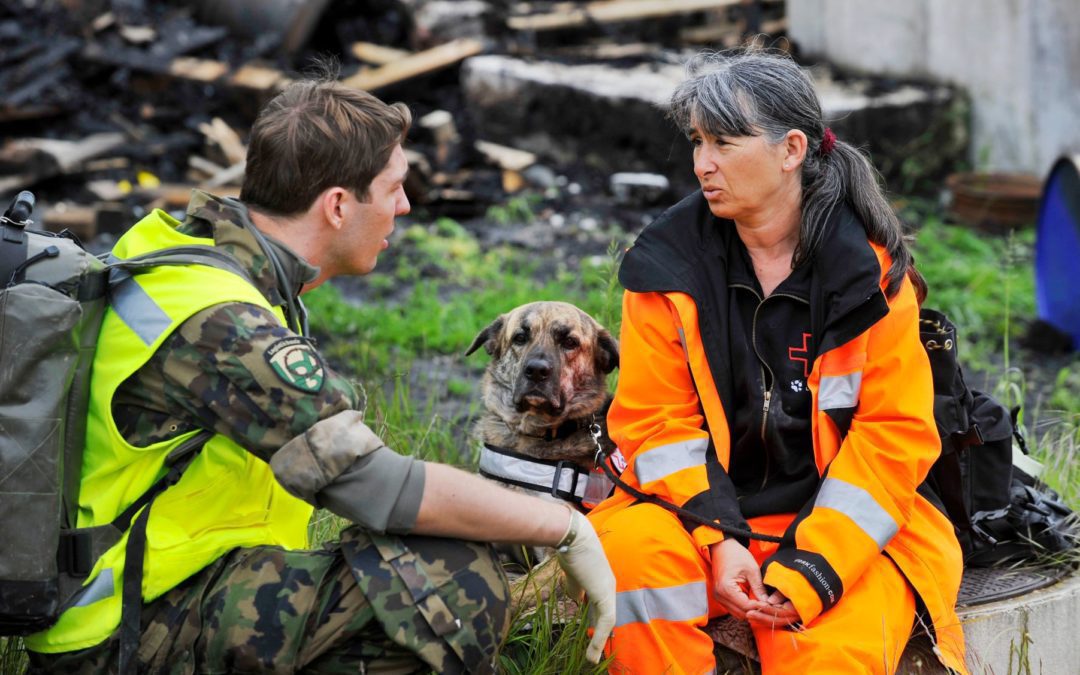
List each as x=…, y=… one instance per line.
x=53, y=296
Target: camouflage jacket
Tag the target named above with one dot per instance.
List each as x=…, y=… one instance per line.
x=217, y=371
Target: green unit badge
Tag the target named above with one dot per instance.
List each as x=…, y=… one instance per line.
x=297, y=364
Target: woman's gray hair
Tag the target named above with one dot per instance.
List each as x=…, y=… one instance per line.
x=754, y=92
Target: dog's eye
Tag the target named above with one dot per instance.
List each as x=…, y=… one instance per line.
x=570, y=342
x=520, y=337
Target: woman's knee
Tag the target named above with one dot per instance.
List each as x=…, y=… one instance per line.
x=647, y=545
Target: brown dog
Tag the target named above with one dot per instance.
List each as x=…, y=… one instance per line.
x=544, y=394
x=546, y=384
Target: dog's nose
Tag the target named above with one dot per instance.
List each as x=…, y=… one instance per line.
x=537, y=370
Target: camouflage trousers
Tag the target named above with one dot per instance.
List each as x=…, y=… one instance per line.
x=367, y=604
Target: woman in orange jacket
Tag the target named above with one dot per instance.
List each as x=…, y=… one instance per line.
x=773, y=382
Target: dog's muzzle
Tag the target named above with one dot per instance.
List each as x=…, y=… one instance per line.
x=537, y=388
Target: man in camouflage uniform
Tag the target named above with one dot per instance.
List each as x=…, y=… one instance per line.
x=402, y=590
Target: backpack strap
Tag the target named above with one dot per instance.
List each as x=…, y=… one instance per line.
x=177, y=255
x=135, y=551
x=13, y=247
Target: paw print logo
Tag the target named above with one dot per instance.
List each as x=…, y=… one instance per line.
x=798, y=386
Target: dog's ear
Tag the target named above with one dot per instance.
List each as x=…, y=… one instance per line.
x=607, y=352
x=488, y=337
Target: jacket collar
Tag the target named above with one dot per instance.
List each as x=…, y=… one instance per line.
x=228, y=223
x=675, y=252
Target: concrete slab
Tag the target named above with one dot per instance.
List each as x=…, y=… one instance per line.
x=612, y=118
x=604, y=117
x=1033, y=633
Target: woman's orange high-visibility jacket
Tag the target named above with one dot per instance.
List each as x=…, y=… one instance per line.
x=873, y=428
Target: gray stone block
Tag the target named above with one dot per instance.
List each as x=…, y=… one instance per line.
x=612, y=118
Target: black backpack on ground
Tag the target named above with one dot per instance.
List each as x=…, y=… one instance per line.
x=1002, y=515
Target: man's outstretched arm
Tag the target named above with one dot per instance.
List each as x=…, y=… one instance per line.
x=340, y=464
x=466, y=506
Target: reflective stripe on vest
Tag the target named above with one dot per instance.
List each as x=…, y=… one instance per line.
x=660, y=462
x=99, y=589
x=860, y=506
x=139, y=311
x=675, y=603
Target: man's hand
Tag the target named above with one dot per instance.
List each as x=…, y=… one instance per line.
x=778, y=612
x=581, y=555
x=737, y=579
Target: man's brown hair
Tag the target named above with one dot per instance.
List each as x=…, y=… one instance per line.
x=314, y=135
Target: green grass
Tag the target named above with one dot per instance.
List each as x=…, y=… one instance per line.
x=547, y=638
x=1059, y=451
x=12, y=656
x=981, y=282
x=462, y=289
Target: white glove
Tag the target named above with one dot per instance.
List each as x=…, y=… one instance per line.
x=587, y=568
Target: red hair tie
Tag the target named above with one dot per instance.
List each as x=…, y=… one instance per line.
x=828, y=142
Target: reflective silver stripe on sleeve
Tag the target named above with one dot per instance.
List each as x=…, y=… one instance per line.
x=665, y=460
x=860, y=506
x=682, y=341
x=675, y=603
x=100, y=588
x=839, y=391
x=138, y=311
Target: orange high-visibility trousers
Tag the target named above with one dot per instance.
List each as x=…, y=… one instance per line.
x=664, y=598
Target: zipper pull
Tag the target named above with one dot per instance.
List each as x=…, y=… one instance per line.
x=768, y=397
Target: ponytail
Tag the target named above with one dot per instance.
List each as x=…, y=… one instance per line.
x=845, y=175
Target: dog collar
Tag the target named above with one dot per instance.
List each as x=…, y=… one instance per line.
x=561, y=479
x=561, y=432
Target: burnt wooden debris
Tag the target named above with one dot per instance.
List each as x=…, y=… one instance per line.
x=111, y=107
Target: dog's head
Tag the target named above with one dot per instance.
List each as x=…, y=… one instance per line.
x=548, y=363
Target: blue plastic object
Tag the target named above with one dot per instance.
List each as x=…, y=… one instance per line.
x=1057, y=249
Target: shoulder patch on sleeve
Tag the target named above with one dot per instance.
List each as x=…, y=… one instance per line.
x=297, y=364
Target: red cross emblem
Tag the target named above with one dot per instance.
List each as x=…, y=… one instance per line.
x=793, y=352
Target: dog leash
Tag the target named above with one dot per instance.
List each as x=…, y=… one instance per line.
x=601, y=461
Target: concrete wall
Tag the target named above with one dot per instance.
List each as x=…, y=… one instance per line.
x=1018, y=59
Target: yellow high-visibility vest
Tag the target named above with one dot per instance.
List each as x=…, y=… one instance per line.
x=226, y=498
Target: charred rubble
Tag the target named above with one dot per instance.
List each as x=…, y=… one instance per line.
x=112, y=107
